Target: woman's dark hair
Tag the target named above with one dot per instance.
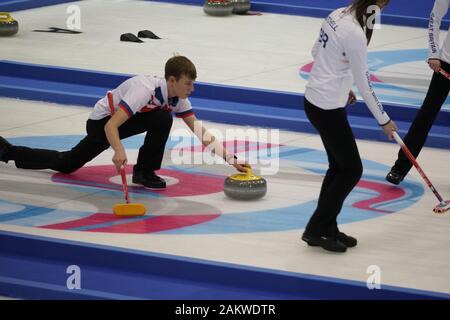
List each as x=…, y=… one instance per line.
x=360, y=9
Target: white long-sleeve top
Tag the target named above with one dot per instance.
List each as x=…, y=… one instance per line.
x=440, y=9
x=340, y=58
x=142, y=94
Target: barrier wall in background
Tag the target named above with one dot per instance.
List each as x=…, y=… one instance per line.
x=399, y=12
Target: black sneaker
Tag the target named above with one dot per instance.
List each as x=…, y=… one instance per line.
x=348, y=241
x=4, y=148
x=327, y=243
x=395, y=176
x=148, y=179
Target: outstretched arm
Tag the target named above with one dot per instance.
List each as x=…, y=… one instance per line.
x=356, y=51
x=208, y=139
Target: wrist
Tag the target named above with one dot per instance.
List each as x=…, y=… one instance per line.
x=434, y=60
x=230, y=158
x=119, y=148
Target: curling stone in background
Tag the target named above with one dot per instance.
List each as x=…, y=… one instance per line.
x=241, y=6
x=218, y=8
x=8, y=26
x=245, y=186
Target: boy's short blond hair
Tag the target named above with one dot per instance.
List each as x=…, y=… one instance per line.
x=179, y=66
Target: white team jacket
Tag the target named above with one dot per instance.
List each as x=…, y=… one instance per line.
x=340, y=58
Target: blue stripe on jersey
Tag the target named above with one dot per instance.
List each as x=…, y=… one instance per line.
x=126, y=108
x=173, y=101
x=159, y=96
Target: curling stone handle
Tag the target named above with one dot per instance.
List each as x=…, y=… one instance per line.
x=249, y=173
x=5, y=16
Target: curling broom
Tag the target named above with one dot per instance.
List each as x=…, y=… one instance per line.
x=127, y=208
x=443, y=206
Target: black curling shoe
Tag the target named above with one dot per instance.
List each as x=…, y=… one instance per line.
x=327, y=243
x=148, y=179
x=395, y=176
x=348, y=241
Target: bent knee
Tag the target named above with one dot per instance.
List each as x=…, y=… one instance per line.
x=65, y=165
x=67, y=169
x=354, y=171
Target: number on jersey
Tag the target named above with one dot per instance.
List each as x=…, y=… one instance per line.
x=323, y=38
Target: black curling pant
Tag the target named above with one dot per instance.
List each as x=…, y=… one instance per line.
x=420, y=127
x=344, y=171
x=157, y=124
